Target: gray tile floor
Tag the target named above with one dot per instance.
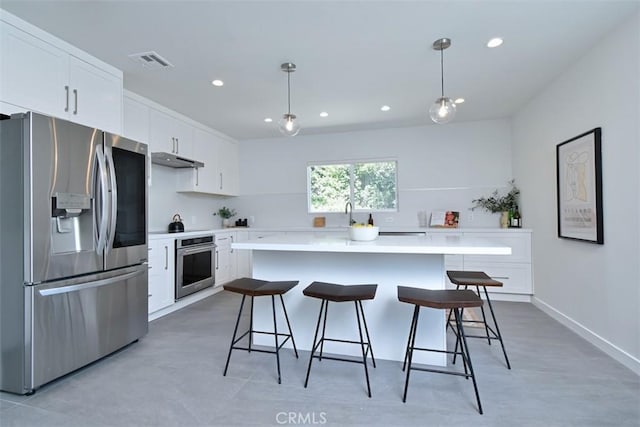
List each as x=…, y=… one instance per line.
x=173, y=377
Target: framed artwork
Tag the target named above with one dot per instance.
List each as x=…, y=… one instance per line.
x=579, y=187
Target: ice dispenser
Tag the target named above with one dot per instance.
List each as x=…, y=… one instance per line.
x=71, y=223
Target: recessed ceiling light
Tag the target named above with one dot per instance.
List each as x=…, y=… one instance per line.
x=324, y=114
x=385, y=108
x=494, y=42
x=459, y=100
x=268, y=120
x=217, y=83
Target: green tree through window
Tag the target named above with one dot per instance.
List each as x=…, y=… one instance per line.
x=369, y=186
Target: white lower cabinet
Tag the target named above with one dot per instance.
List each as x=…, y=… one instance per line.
x=161, y=273
x=243, y=257
x=514, y=271
x=224, y=260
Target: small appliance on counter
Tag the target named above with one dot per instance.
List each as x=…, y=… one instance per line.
x=176, y=226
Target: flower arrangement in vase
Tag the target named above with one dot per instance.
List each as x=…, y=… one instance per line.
x=226, y=213
x=497, y=203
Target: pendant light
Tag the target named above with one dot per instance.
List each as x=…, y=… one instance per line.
x=288, y=124
x=443, y=109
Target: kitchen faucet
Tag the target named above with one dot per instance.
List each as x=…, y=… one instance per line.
x=348, y=208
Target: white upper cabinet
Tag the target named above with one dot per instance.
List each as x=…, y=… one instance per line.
x=228, y=169
x=136, y=120
x=220, y=172
x=38, y=76
x=95, y=97
x=168, y=134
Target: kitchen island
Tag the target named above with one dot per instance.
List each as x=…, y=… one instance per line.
x=388, y=261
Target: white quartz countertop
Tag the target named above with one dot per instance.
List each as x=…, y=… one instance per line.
x=432, y=244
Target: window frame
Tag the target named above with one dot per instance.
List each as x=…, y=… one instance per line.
x=351, y=164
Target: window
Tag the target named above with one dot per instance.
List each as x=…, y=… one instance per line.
x=369, y=186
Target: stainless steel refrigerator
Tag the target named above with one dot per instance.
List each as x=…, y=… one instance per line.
x=73, y=247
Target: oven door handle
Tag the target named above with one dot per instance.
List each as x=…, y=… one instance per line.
x=189, y=251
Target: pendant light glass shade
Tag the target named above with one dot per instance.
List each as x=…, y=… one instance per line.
x=288, y=125
x=443, y=109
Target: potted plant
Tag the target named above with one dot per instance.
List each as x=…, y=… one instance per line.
x=498, y=203
x=225, y=213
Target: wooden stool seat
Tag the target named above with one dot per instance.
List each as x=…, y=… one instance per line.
x=255, y=287
x=479, y=279
x=341, y=293
x=471, y=278
x=249, y=287
x=442, y=299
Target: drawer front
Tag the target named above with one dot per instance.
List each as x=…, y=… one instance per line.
x=520, y=244
x=515, y=278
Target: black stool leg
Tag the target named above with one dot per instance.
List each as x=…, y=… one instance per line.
x=406, y=353
x=313, y=347
x=233, y=339
x=410, y=346
x=366, y=330
x=449, y=325
x=466, y=355
x=289, y=326
x=251, y=326
x=275, y=334
x=364, y=353
x=495, y=322
x=484, y=318
x=324, y=327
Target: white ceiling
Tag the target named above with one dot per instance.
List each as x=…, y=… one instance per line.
x=352, y=56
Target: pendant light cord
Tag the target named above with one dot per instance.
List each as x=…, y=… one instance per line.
x=442, y=70
x=289, y=89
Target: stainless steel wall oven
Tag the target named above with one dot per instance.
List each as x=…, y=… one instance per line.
x=195, y=264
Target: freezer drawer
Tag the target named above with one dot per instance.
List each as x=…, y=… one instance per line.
x=77, y=322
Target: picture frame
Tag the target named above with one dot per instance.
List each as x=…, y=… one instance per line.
x=444, y=219
x=579, y=187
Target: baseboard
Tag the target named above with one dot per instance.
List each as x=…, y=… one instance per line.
x=183, y=302
x=612, y=350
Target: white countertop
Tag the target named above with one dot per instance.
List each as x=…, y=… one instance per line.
x=334, y=230
x=434, y=244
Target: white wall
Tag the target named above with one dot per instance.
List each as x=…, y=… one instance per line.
x=593, y=289
x=439, y=167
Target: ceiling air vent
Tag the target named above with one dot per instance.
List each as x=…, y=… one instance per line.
x=151, y=60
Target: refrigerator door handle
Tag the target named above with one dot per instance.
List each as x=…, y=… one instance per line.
x=93, y=284
x=114, y=199
x=102, y=228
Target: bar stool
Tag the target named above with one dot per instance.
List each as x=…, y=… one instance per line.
x=454, y=300
x=254, y=288
x=479, y=279
x=341, y=293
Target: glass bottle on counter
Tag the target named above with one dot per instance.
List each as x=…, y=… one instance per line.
x=370, y=219
x=516, y=221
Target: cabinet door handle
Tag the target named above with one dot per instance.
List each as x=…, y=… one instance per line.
x=500, y=277
x=231, y=243
x=149, y=295
x=177, y=146
x=173, y=145
x=197, y=177
x=221, y=180
x=75, y=97
x=217, y=260
x=166, y=257
x=66, y=105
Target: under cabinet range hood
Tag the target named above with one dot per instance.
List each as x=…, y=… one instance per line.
x=173, y=161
